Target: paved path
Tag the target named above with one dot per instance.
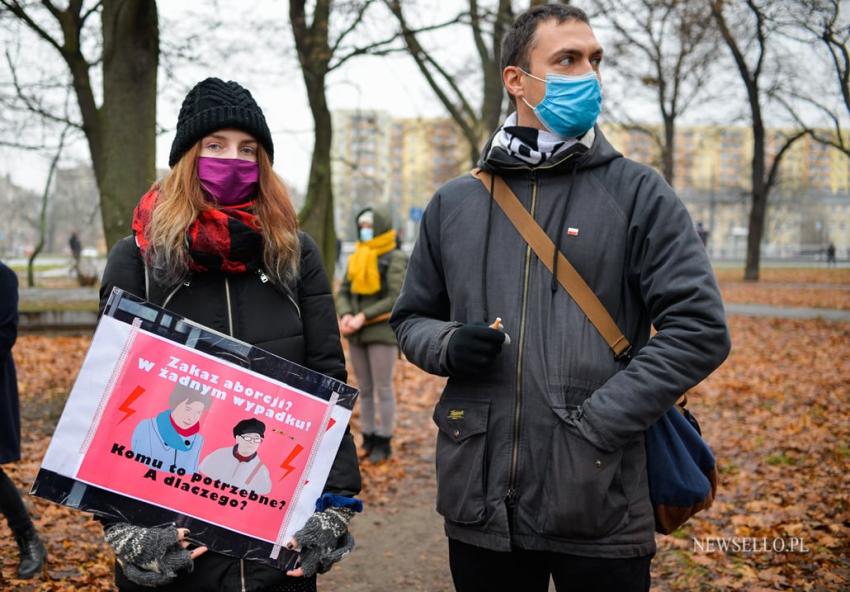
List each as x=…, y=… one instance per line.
x=785, y=312
x=752, y=310
x=400, y=548
x=59, y=295
x=789, y=285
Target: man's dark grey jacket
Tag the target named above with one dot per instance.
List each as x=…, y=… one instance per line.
x=546, y=451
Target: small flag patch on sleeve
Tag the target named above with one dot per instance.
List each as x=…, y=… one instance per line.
x=572, y=231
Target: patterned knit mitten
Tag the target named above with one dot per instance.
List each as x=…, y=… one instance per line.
x=148, y=556
x=325, y=540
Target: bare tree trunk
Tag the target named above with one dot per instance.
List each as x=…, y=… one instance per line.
x=762, y=179
x=317, y=216
x=121, y=133
x=758, y=208
x=42, y=220
x=665, y=48
x=493, y=97
x=668, y=150
x=474, y=125
x=128, y=115
x=319, y=55
x=314, y=55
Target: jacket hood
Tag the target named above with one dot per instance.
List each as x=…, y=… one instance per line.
x=382, y=222
x=592, y=150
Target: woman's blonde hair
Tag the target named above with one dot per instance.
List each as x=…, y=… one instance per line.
x=181, y=200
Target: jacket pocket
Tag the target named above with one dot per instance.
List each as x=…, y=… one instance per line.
x=461, y=459
x=583, y=495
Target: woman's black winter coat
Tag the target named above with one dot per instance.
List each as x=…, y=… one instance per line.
x=298, y=324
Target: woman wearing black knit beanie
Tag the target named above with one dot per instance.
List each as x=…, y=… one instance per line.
x=217, y=241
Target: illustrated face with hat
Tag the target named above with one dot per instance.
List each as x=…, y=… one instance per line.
x=249, y=434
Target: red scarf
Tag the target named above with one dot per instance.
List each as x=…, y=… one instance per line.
x=241, y=458
x=185, y=432
x=222, y=238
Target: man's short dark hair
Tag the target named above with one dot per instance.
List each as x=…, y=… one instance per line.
x=518, y=41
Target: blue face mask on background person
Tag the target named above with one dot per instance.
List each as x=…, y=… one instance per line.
x=571, y=104
x=366, y=234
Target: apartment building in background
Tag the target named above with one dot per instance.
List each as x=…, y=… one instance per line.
x=378, y=159
x=808, y=208
x=394, y=162
x=399, y=163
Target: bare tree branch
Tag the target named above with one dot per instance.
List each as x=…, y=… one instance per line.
x=15, y=8
x=471, y=122
x=379, y=47
x=761, y=37
x=423, y=61
x=777, y=159
x=31, y=103
x=361, y=12
x=838, y=144
x=89, y=12
x=661, y=45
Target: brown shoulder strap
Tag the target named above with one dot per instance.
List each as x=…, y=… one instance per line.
x=544, y=248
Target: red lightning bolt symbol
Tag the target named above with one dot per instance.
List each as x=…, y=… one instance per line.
x=285, y=464
x=125, y=406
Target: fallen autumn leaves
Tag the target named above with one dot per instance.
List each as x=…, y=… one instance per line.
x=810, y=288
x=776, y=415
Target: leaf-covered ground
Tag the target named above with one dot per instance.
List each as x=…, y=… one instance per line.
x=776, y=415
x=795, y=287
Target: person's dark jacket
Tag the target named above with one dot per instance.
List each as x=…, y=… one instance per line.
x=10, y=420
x=546, y=451
x=298, y=324
x=392, y=266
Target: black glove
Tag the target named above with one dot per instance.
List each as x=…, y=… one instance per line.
x=148, y=556
x=472, y=349
x=325, y=540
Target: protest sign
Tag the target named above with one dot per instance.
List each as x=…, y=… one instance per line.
x=171, y=420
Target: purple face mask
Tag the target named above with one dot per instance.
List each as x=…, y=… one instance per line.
x=228, y=181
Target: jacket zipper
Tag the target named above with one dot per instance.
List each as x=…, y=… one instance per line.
x=242, y=573
x=174, y=291
x=265, y=279
x=229, y=309
x=511, y=496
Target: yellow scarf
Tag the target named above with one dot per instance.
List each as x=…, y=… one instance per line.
x=363, y=263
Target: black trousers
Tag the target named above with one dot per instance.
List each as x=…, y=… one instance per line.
x=12, y=506
x=475, y=569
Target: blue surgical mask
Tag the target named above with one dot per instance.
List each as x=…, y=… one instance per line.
x=571, y=103
x=367, y=234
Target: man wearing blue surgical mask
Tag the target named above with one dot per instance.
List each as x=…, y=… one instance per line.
x=564, y=96
x=541, y=461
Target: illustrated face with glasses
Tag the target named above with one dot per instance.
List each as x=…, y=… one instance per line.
x=247, y=444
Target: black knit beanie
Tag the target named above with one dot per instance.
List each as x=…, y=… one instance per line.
x=213, y=105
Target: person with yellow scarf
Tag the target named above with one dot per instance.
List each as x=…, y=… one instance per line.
x=369, y=290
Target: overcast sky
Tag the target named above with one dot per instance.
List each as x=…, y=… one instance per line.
x=255, y=48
